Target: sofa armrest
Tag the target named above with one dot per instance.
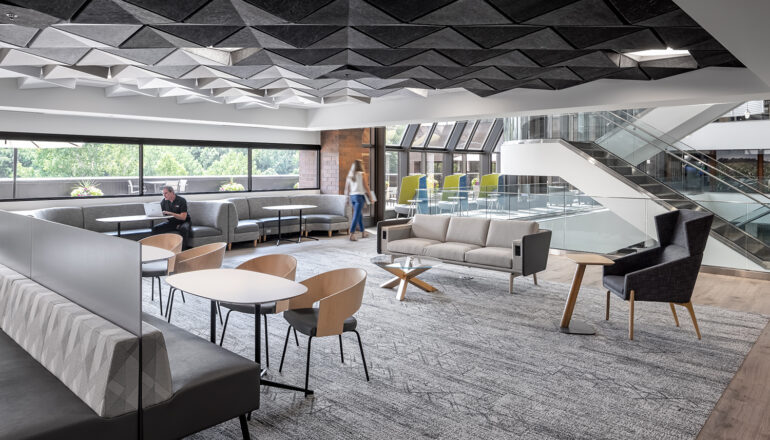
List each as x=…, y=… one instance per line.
x=232, y=220
x=386, y=231
x=530, y=253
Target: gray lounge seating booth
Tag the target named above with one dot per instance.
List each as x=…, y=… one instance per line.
x=250, y=221
x=209, y=220
x=516, y=247
x=667, y=272
x=54, y=390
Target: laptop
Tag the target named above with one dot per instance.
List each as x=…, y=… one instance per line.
x=153, y=210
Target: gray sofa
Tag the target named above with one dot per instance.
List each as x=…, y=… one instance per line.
x=250, y=221
x=516, y=247
x=209, y=220
x=54, y=390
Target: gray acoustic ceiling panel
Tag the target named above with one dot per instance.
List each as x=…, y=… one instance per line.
x=268, y=53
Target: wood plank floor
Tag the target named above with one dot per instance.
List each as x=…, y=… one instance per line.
x=743, y=411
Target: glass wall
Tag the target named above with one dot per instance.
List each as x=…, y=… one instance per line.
x=421, y=136
x=434, y=168
x=394, y=134
x=473, y=167
x=391, y=178
x=480, y=135
x=441, y=134
x=415, y=163
x=92, y=169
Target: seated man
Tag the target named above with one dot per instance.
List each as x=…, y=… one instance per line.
x=180, y=223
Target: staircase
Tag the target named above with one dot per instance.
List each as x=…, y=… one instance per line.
x=722, y=229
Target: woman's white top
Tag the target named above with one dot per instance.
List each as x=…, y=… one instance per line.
x=355, y=187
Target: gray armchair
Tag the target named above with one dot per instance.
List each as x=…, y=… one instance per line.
x=666, y=273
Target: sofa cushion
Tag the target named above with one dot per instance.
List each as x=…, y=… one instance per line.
x=241, y=207
x=471, y=230
x=491, y=256
x=325, y=203
x=432, y=227
x=411, y=246
x=449, y=251
x=205, y=231
x=208, y=213
x=502, y=233
x=247, y=226
x=272, y=222
x=324, y=218
x=72, y=216
x=257, y=206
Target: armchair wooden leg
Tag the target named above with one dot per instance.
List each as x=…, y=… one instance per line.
x=229, y=246
x=673, y=311
x=688, y=306
x=255, y=243
x=607, y=309
x=330, y=233
x=534, y=278
x=510, y=283
x=631, y=317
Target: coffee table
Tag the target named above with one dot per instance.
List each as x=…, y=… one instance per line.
x=406, y=270
x=567, y=325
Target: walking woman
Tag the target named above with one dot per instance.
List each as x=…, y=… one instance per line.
x=357, y=187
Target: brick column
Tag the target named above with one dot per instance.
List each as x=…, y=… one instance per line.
x=308, y=169
x=339, y=148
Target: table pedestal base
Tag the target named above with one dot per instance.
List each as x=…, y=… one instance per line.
x=404, y=278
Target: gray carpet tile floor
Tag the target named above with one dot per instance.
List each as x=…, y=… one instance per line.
x=472, y=361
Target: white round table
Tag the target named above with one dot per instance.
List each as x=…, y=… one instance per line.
x=240, y=287
x=130, y=218
x=280, y=208
x=152, y=253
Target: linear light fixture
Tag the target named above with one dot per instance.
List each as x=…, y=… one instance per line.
x=656, y=54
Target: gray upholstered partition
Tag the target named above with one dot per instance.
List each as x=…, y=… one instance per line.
x=15, y=239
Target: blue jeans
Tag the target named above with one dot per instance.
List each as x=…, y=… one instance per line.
x=358, y=218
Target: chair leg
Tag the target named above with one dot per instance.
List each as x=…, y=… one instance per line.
x=224, y=326
x=534, y=278
x=229, y=246
x=219, y=312
x=673, y=311
x=267, y=347
x=152, y=289
x=363, y=358
x=342, y=355
x=510, y=283
x=244, y=427
x=170, y=306
x=296, y=339
x=168, y=299
x=688, y=306
x=183, y=300
x=607, y=308
x=285, y=343
x=631, y=317
x=307, y=368
x=160, y=296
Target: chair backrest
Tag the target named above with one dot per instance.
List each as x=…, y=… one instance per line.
x=685, y=228
x=208, y=256
x=169, y=242
x=488, y=183
x=409, y=187
x=280, y=265
x=452, y=185
x=340, y=293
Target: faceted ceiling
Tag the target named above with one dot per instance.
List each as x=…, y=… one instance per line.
x=271, y=53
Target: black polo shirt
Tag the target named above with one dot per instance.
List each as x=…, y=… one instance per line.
x=178, y=206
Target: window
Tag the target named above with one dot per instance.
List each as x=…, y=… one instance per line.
x=90, y=169
x=394, y=134
x=195, y=169
x=458, y=164
x=415, y=163
x=462, y=143
x=441, y=134
x=495, y=161
x=391, y=178
x=421, y=136
x=480, y=135
x=6, y=172
x=284, y=169
x=434, y=168
x=473, y=166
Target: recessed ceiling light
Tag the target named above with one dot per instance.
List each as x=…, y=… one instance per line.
x=11, y=15
x=656, y=54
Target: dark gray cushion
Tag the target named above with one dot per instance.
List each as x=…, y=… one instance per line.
x=269, y=222
x=155, y=269
x=241, y=207
x=36, y=404
x=247, y=226
x=91, y=213
x=202, y=373
x=325, y=203
x=306, y=321
x=72, y=216
x=208, y=213
x=257, y=206
x=205, y=231
x=324, y=218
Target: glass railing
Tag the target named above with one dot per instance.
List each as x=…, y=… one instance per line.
x=613, y=225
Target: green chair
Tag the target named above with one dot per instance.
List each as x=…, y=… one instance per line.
x=412, y=196
x=454, y=194
x=488, y=191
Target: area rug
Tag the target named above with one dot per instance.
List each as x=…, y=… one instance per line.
x=473, y=361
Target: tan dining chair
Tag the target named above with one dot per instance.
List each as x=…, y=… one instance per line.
x=339, y=294
x=208, y=256
x=280, y=265
x=157, y=269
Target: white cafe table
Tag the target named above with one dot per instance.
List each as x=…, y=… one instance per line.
x=240, y=287
x=152, y=253
x=280, y=208
x=130, y=218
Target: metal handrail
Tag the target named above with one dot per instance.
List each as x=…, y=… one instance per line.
x=636, y=123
